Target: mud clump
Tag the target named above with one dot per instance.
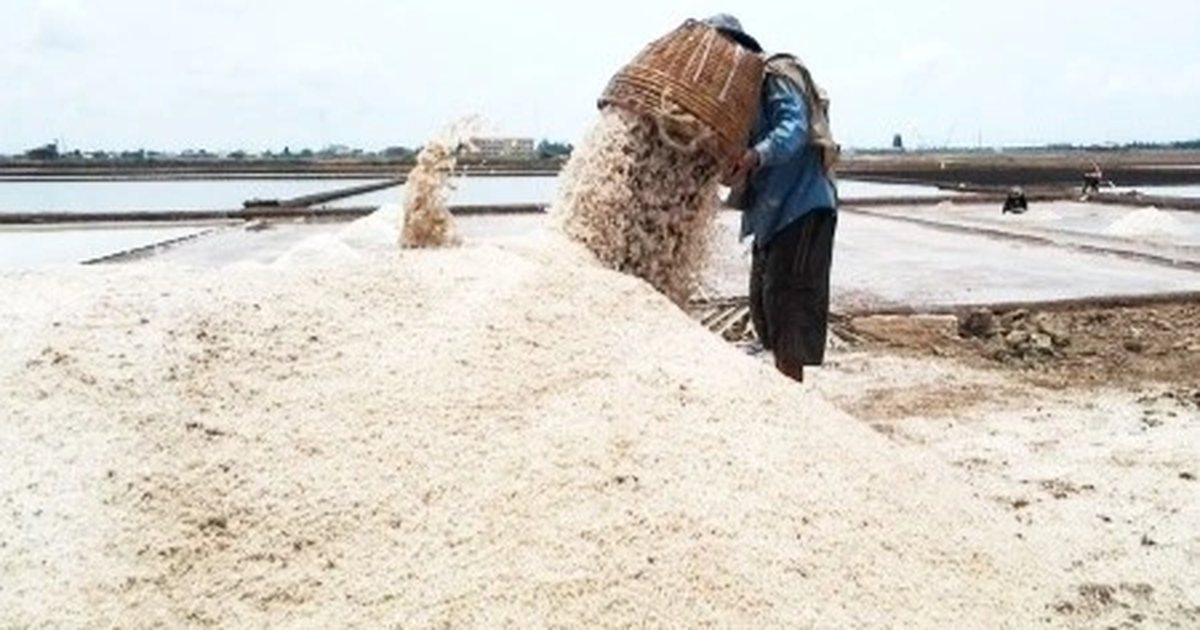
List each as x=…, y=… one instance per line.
x=1015, y=336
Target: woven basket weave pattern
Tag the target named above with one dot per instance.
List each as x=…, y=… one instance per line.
x=696, y=82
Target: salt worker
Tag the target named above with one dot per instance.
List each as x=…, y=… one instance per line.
x=1015, y=202
x=784, y=185
x=1092, y=180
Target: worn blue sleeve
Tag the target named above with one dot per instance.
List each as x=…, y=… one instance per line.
x=787, y=123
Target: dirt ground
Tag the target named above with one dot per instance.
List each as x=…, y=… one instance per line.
x=1077, y=347
x=1084, y=424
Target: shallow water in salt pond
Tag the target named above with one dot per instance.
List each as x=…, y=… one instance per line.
x=24, y=248
x=141, y=196
x=1182, y=192
x=33, y=248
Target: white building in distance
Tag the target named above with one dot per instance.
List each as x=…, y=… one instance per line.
x=501, y=148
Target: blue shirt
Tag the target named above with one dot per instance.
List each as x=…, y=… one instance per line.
x=790, y=181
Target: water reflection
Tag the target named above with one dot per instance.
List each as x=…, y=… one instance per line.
x=142, y=196
x=33, y=248
x=26, y=247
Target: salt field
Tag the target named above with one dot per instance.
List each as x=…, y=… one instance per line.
x=468, y=191
x=880, y=262
x=1181, y=192
x=31, y=248
x=1168, y=234
x=485, y=454
x=65, y=244
x=931, y=254
x=207, y=195
x=439, y=438
x=852, y=189
x=342, y=434
x=439, y=316
x=134, y=196
x=883, y=261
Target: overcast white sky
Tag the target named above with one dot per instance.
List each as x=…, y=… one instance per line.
x=264, y=74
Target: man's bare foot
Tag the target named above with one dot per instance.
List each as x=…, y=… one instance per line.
x=794, y=371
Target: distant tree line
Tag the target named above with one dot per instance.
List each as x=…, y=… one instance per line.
x=1182, y=145
x=898, y=144
x=546, y=150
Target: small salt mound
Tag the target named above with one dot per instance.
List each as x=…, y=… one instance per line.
x=317, y=250
x=479, y=437
x=1041, y=215
x=373, y=234
x=378, y=231
x=1147, y=222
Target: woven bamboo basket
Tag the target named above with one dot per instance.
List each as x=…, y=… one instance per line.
x=701, y=87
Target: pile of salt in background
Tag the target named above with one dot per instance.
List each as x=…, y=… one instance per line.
x=641, y=202
x=476, y=437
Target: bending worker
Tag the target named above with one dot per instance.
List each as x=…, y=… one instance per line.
x=789, y=203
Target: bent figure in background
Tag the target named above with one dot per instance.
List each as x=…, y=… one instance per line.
x=1015, y=202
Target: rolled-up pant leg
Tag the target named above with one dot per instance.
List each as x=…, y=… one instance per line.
x=789, y=289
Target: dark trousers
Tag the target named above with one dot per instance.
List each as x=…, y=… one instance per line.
x=789, y=289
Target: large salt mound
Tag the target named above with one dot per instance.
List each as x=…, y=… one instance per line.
x=484, y=437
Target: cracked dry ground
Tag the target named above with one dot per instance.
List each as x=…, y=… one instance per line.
x=1082, y=424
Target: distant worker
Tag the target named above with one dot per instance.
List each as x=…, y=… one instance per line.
x=1015, y=202
x=1092, y=180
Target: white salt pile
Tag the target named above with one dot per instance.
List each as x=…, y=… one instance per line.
x=477, y=437
x=641, y=202
x=1147, y=222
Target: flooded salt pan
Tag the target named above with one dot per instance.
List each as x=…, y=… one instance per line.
x=1184, y=192
x=32, y=248
x=1166, y=233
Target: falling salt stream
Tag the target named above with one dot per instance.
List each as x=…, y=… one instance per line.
x=640, y=203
